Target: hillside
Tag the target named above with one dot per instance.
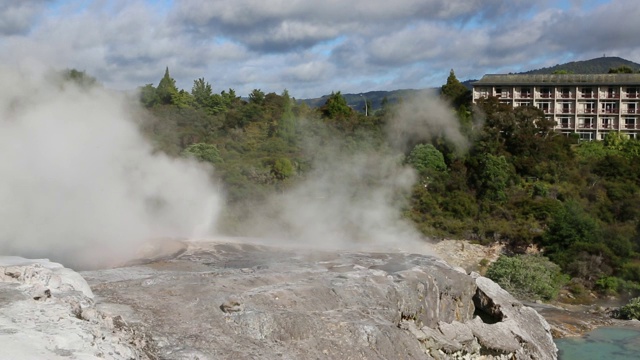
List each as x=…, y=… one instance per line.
x=594, y=66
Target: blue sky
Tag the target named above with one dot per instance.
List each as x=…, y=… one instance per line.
x=310, y=47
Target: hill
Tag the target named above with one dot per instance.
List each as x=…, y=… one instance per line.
x=356, y=101
x=594, y=66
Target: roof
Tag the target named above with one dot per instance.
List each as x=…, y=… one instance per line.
x=559, y=79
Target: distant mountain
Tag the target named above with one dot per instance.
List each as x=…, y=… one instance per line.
x=593, y=66
x=356, y=101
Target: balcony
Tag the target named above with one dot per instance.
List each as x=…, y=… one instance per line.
x=585, y=126
x=589, y=96
x=630, y=111
x=566, y=111
x=606, y=126
x=566, y=126
x=631, y=96
x=546, y=96
x=588, y=111
x=566, y=96
x=611, y=96
x=609, y=111
x=631, y=126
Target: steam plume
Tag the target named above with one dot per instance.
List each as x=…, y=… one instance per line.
x=80, y=184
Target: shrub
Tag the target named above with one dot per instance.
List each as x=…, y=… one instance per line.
x=631, y=310
x=527, y=276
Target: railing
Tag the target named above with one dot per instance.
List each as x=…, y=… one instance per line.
x=547, y=111
x=631, y=126
x=611, y=96
x=632, y=95
x=588, y=96
x=566, y=111
x=566, y=126
x=566, y=96
x=585, y=126
x=503, y=95
x=546, y=96
x=525, y=96
x=610, y=111
x=630, y=111
x=588, y=111
x=606, y=126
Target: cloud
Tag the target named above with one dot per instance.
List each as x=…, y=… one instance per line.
x=247, y=44
x=80, y=184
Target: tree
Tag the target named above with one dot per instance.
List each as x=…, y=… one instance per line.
x=203, y=152
x=455, y=91
x=166, y=89
x=256, y=97
x=622, y=69
x=80, y=78
x=201, y=92
x=493, y=177
x=527, y=276
x=425, y=158
x=287, y=124
x=148, y=95
x=336, y=107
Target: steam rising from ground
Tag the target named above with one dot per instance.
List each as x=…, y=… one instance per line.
x=355, y=200
x=78, y=182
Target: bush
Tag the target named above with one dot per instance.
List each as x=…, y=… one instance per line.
x=527, y=276
x=631, y=310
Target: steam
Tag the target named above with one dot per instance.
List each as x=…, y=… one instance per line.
x=355, y=199
x=79, y=184
x=424, y=117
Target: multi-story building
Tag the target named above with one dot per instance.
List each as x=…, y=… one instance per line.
x=588, y=105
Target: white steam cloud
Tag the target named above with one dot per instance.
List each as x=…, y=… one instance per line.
x=79, y=184
x=355, y=199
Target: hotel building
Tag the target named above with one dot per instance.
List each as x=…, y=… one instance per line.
x=588, y=105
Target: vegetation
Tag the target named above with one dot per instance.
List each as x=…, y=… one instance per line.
x=518, y=182
x=601, y=65
x=631, y=310
x=527, y=276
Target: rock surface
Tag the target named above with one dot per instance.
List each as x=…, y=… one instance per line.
x=244, y=301
x=47, y=312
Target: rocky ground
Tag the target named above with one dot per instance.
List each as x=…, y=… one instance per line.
x=208, y=300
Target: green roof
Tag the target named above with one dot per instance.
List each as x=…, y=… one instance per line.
x=559, y=79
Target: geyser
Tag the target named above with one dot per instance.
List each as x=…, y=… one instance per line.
x=80, y=185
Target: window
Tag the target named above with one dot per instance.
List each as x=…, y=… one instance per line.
x=610, y=108
x=525, y=92
x=483, y=92
x=587, y=92
x=632, y=92
x=585, y=136
x=631, y=108
x=565, y=123
x=630, y=123
x=565, y=92
x=545, y=92
x=589, y=108
x=566, y=108
x=607, y=123
x=545, y=107
x=611, y=93
x=585, y=123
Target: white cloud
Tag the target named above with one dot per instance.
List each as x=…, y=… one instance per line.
x=269, y=44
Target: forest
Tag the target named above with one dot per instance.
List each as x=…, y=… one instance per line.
x=514, y=180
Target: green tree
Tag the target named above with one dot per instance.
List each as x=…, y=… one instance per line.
x=622, y=69
x=167, y=89
x=527, y=276
x=426, y=159
x=256, y=97
x=148, y=95
x=336, y=107
x=203, y=152
x=493, y=177
x=455, y=91
x=80, y=78
x=202, y=93
x=287, y=124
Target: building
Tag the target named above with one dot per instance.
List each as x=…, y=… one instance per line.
x=588, y=105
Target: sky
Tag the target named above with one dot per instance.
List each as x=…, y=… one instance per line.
x=309, y=47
